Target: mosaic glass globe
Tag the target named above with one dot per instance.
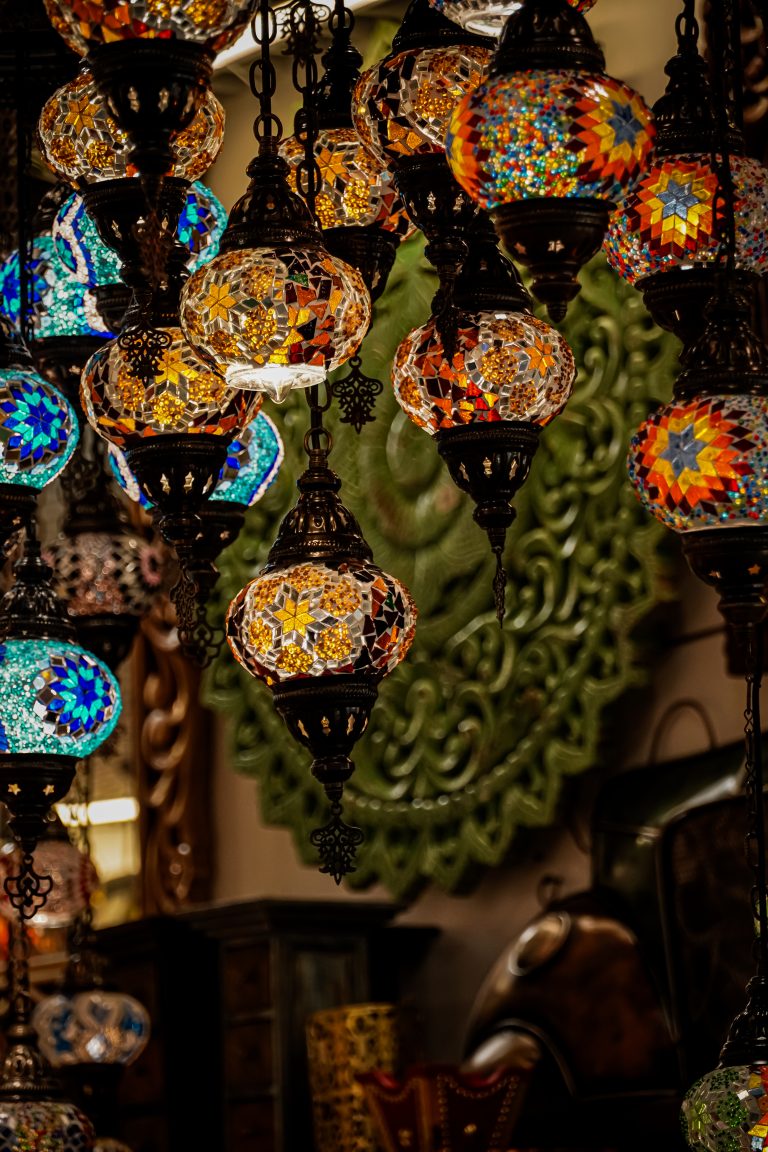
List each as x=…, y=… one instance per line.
x=43, y=1124
x=38, y=429
x=79, y=246
x=253, y=462
x=508, y=366
x=55, y=699
x=102, y=572
x=668, y=221
x=275, y=320
x=186, y=396
x=93, y=1027
x=74, y=881
x=355, y=189
x=314, y=620
x=554, y=134
x=703, y=463
x=59, y=304
x=488, y=17
x=727, y=1110
x=83, y=24
x=80, y=140
x=402, y=106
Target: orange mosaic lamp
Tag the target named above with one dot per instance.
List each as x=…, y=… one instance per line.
x=549, y=145
x=321, y=625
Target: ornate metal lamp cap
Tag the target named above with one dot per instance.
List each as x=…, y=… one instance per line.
x=31, y=610
x=547, y=34
x=424, y=27
x=729, y=358
x=747, y=1041
x=269, y=214
x=342, y=64
x=685, y=114
x=488, y=280
x=24, y=1075
x=319, y=526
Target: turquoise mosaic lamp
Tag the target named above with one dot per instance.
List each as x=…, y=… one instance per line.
x=38, y=432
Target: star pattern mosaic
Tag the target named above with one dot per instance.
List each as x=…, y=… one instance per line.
x=728, y=1109
x=98, y=572
x=38, y=429
x=186, y=396
x=313, y=620
x=704, y=463
x=59, y=304
x=488, y=17
x=273, y=320
x=55, y=698
x=402, y=106
x=549, y=133
x=509, y=366
x=81, y=142
x=355, y=189
x=669, y=219
x=83, y=24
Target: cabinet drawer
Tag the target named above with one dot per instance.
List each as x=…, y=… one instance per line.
x=246, y=979
x=248, y=1064
x=252, y=1127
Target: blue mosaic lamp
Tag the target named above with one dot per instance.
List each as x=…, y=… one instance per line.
x=38, y=432
x=59, y=304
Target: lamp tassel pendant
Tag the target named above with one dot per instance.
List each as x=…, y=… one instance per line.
x=321, y=625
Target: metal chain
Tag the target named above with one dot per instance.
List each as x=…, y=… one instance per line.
x=724, y=74
x=23, y=154
x=303, y=29
x=318, y=440
x=753, y=788
x=18, y=964
x=267, y=127
x=687, y=29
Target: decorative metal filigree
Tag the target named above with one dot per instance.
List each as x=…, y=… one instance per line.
x=199, y=641
x=356, y=395
x=144, y=347
x=27, y=890
x=337, y=843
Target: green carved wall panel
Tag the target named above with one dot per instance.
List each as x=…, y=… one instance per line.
x=474, y=733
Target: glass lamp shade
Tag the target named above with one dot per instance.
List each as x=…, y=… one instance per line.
x=668, y=221
x=355, y=189
x=38, y=429
x=74, y=881
x=253, y=461
x=81, y=142
x=55, y=699
x=508, y=366
x=101, y=572
x=93, y=1027
x=554, y=134
x=59, y=304
x=186, y=396
x=79, y=246
x=313, y=620
x=276, y=319
x=488, y=17
x=727, y=1110
x=83, y=24
x=402, y=106
x=40, y=1123
x=108, y=1144
x=703, y=463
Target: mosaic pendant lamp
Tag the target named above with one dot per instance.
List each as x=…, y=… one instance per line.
x=488, y=17
x=321, y=625
x=550, y=145
x=507, y=375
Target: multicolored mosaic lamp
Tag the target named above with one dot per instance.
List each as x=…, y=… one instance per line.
x=321, y=625
x=58, y=703
x=38, y=432
x=402, y=108
x=72, y=872
x=488, y=17
x=85, y=24
x=550, y=145
x=507, y=376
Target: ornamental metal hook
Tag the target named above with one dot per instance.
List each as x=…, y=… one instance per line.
x=200, y=642
x=356, y=395
x=337, y=843
x=27, y=890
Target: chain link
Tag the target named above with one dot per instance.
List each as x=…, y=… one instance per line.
x=262, y=78
x=303, y=30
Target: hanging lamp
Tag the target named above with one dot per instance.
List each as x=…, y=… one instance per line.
x=665, y=239
x=488, y=17
x=72, y=873
x=321, y=625
x=549, y=145
x=274, y=308
x=508, y=375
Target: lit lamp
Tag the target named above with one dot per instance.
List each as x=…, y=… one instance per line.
x=508, y=375
x=549, y=145
x=72, y=872
x=488, y=17
x=321, y=625
x=666, y=237
x=274, y=309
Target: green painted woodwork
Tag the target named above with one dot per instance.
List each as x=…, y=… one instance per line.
x=473, y=734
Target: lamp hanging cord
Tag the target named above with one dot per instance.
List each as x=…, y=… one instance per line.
x=726, y=78
x=22, y=161
x=267, y=127
x=753, y=787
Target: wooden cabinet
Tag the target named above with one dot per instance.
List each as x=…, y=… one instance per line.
x=229, y=990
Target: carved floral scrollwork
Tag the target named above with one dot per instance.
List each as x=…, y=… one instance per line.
x=474, y=732
x=173, y=763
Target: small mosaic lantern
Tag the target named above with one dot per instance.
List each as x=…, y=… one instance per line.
x=91, y=1027
x=85, y=24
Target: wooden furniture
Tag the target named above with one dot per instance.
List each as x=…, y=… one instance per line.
x=228, y=990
